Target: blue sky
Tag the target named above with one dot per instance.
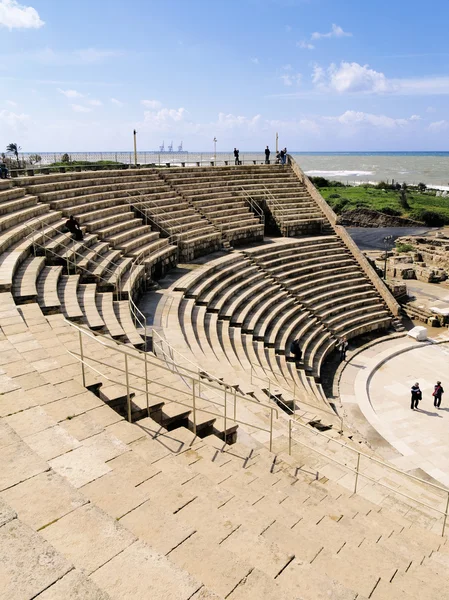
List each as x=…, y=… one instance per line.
x=327, y=75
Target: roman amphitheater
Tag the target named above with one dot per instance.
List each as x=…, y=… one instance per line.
x=157, y=440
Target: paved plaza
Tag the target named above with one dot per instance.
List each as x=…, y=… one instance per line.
x=379, y=379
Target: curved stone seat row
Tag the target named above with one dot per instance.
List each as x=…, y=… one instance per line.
x=38, y=260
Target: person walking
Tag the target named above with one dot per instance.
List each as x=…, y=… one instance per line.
x=282, y=157
x=295, y=349
x=416, y=396
x=342, y=347
x=267, y=156
x=437, y=394
x=236, y=156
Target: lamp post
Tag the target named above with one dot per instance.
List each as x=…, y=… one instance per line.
x=387, y=241
x=215, y=151
x=135, y=148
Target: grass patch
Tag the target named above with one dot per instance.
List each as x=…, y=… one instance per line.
x=388, y=202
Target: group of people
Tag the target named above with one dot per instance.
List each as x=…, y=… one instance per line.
x=281, y=157
x=417, y=395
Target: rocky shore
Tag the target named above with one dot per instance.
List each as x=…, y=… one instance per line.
x=365, y=217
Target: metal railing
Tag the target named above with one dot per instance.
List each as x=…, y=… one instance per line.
x=96, y=160
x=228, y=407
x=73, y=252
x=254, y=205
x=371, y=460
x=295, y=399
x=148, y=204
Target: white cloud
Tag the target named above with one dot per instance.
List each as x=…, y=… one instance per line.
x=254, y=60
x=352, y=117
x=305, y=45
x=230, y=121
x=81, y=109
x=94, y=102
x=70, y=93
x=415, y=118
x=116, y=102
x=16, y=16
x=287, y=67
x=165, y=117
x=351, y=78
x=439, y=125
x=430, y=109
x=354, y=78
x=13, y=120
x=336, y=32
x=153, y=104
x=11, y=103
x=291, y=79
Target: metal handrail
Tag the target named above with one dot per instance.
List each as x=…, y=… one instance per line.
x=75, y=252
x=146, y=360
x=254, y=205
x=358, y=473
x=173, y=238
x=172, y=352
x=295, y=386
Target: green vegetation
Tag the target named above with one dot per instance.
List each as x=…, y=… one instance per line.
x=404, y=247
x=417, y=203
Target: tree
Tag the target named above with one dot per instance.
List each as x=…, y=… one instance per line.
x=14, y=148
x=65, y=158
x=34, y=158
x=403, y=197
x=422, y=187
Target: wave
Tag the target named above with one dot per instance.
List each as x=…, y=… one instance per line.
x=323, y=173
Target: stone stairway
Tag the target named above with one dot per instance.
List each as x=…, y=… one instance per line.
x=97, y=506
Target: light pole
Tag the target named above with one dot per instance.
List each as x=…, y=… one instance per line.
x=135, y=148
x=387, y=240
x=277, y=142
x=215, y=151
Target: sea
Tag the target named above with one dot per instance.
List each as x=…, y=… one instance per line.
x=431, y=168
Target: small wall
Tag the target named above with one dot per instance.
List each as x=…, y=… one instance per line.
x=346, y=238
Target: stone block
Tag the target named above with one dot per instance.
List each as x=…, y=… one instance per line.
x=88, y=537
x=28, y=564
x=418, y=333
x=74, y=586
x=139, y=572
x=43, y=499
x=18, y=463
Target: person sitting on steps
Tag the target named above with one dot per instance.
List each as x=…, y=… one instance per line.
x=296, y=351
x=74, y=227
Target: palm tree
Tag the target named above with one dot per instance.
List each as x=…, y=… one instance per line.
x=14, y=149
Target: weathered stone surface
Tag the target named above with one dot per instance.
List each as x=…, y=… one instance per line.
x=80, y=466
x=6, y=513
x=43, y=499
x=28, y=422
x=52, y=442
x=7, y=435
x=139, y=572
x=74, y=586
x=88, y=537
x=28, y=564
x=114, y=494
x=18, y=463
x=161, y=529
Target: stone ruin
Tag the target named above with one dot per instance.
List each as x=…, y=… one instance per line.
x=428, y=261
